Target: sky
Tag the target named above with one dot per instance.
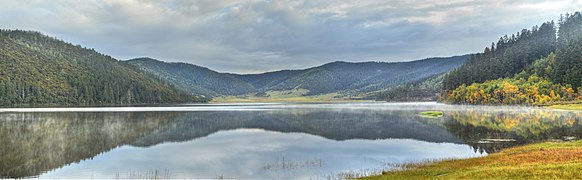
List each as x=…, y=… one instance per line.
x=252, y=36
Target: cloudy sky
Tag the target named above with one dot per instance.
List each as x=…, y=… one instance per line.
x=249, y=36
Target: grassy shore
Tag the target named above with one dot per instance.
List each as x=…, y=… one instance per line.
x=285, y=99
x=567, y=106
x=431, y=114
x=550, y=160
x=296, y=95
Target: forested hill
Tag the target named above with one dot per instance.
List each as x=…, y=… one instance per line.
x=355, y=77
x=194, y=79
x=39, y=70
x=510, y=55
x=335, y=77
x=534, y=66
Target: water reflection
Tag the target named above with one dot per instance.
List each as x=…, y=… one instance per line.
x=476, y=124
x=340, y=137
x=332, y=124
x=260, y=154
x=32, y=143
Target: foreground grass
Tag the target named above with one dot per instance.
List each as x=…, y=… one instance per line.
x=550, y=160
x=567, y=106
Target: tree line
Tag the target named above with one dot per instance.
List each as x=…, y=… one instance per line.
x=537, y=66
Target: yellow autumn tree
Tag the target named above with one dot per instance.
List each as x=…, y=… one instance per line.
x=509, y=88
x=570, y=93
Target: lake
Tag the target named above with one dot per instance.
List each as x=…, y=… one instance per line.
x=261, y=140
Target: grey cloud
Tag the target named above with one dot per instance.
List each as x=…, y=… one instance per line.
x=261, y=35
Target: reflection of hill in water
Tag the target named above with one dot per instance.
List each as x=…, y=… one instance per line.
x=333, y=125
x=32, y=143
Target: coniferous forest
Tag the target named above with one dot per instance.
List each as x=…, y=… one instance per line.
x=538, y=66
x=41, y=70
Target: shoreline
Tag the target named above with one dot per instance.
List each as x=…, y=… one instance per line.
x=554, y=160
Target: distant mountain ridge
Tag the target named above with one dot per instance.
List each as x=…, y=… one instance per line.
x=334, y=77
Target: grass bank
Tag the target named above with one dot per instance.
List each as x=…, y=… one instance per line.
x=567, y=106
x=550, y=160
x=286, y=99
x=431, y=114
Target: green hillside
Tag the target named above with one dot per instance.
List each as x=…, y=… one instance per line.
x=194, y=79
x=366, y=76
x=510, y=55
x=337, y=77
x=41, y=70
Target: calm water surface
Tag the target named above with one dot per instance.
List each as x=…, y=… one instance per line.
x=260, y=141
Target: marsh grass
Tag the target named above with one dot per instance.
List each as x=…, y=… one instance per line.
x=550, y=160
x=287, y=164
x=431, y=114
x=296, y=95
x=385, y=167
x=152, y=174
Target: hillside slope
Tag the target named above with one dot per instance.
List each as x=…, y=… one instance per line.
x=335, y=77
x=510, y=55
x=40, y=70
x=194, y=79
